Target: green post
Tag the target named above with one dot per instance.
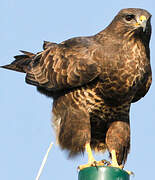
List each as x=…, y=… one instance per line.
x=103, y=173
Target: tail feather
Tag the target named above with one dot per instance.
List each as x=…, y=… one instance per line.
x=29, y=54
x=24, y=63
x=21, y=62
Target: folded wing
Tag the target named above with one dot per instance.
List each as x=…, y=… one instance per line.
x=57, y=67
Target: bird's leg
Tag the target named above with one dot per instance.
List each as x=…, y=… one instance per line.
x=114, y=160
x=91, y=159
x=115, y=163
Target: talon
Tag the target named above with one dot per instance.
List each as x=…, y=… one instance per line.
x=91, y=160
x=130, y=172
x=114, y=160
x=105, y=162
x=115, y=163
x=94, y=163
x=85, y=166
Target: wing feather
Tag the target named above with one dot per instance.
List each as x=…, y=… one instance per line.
x=59, y=66
x=55, y=69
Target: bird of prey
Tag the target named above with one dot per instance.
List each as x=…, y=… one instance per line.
x=93, y=81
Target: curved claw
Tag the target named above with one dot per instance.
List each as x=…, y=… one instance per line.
x=130, y=172
x=120, y=167
x=94, y=164
x=105, y=162
x=86, y=165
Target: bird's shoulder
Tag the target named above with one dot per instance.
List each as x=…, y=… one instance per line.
x=74, y=49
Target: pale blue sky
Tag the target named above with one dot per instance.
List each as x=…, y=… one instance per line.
x=25, y=130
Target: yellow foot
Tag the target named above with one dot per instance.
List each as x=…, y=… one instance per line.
x=94, y=164
x=121, y=167
x=130, y=172
x=115, y=163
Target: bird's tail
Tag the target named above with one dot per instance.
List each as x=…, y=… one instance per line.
x=21, y=63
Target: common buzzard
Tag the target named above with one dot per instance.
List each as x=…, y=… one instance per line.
x=93, y=81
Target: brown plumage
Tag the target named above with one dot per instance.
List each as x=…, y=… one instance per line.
x=93, y=81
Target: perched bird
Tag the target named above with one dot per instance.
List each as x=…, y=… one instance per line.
x=93, y=81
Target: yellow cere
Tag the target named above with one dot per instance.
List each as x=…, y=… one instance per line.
x=142, y=18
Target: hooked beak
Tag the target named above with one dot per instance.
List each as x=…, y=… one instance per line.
x=141, y=22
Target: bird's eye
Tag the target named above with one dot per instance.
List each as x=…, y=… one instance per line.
x=129, y=17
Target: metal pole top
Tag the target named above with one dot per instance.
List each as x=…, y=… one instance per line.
x=103, y=173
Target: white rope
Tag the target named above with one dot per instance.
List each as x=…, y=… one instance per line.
x=44, y=161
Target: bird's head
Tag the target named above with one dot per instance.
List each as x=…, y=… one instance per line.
x=132, y=21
